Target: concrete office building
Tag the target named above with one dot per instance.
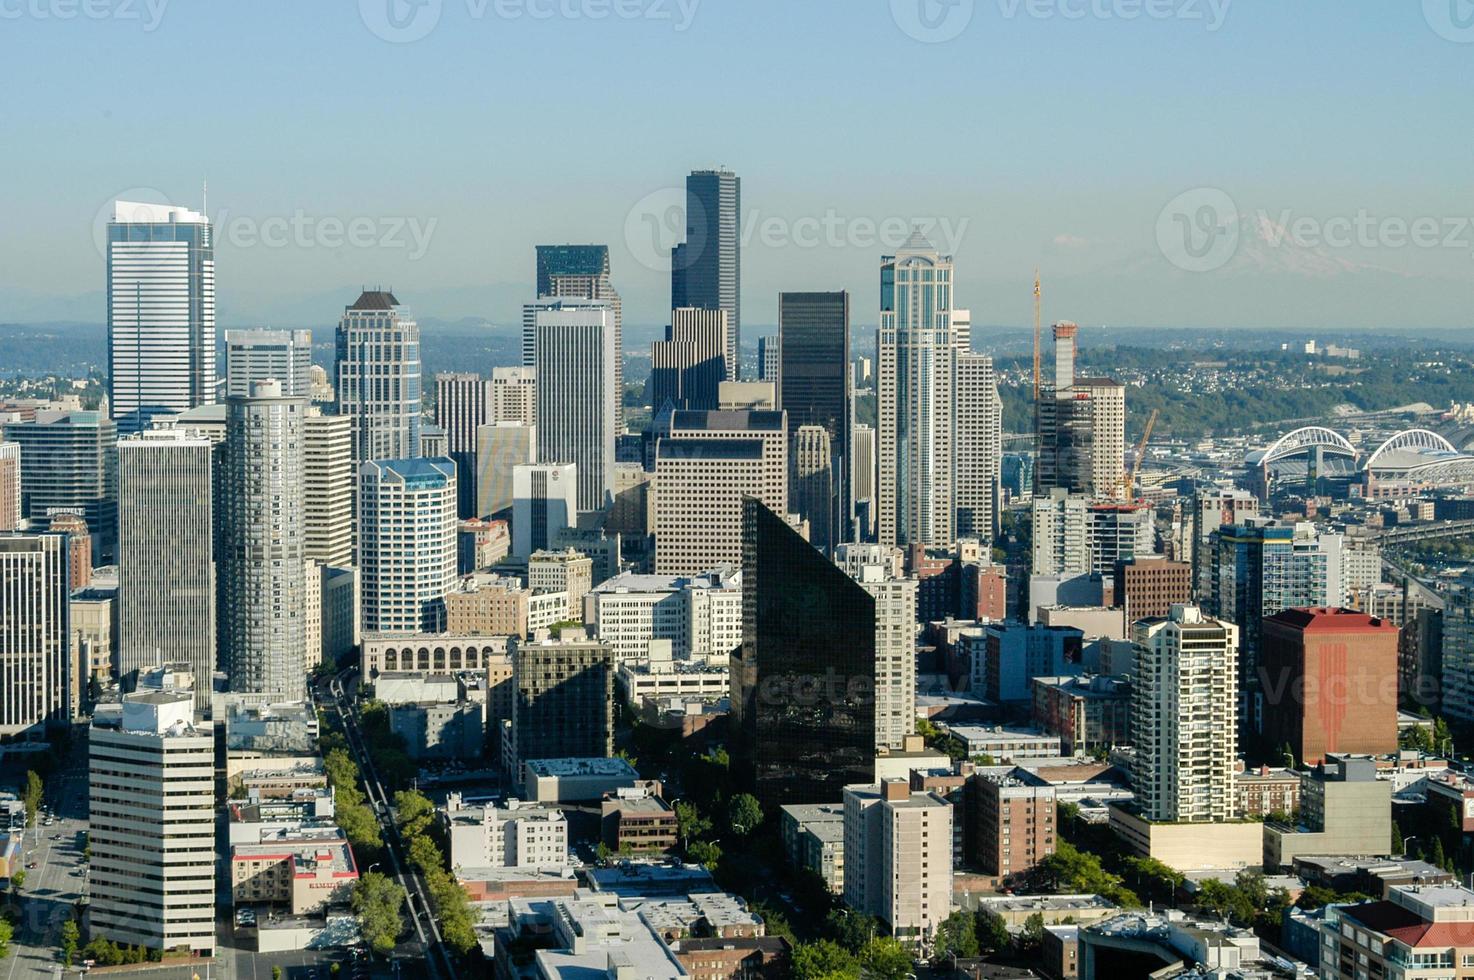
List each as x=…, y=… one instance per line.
x=1329, y=678
x=1344, y=810
x=1005, y=658
x=38, y=686
x=575, y=357
x=406, y=543
x=544, y=502
x=514, y=835
x=898, y=858
x=563, y=703
x=704, y=467
x=688, y=367
x=812, y=486
x=166, y=567
x=487, y=605
x=582, y=272
x=501, y=447
x=514, y=395
x=916, y=398
x=567, y=571
x=151, y=828
x=706, y=269
x=378, y=377
x=979, y=446
x=284, y=356
x=862, y=473
x=329, y=485
x=700, y=616
x=769, y=358
x=463, y=403
x=263, y=572
x=160, y=312
x=69, y=465
x=1148, y=586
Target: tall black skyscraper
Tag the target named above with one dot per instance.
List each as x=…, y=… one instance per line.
x=803, y=705
x=814, y=381
x=706, y=269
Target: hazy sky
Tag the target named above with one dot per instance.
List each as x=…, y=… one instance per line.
x=1167, y=162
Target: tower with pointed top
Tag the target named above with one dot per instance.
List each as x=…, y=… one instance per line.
x=917, y=346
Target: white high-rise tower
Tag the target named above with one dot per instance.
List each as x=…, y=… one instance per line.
x=160, y=312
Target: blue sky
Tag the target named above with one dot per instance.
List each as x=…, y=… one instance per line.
x=1047, y=132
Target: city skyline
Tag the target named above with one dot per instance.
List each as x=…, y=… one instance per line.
x=462, y=247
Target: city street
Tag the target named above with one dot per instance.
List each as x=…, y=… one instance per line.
x=54, y=885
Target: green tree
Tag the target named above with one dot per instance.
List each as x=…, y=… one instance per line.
x=851, y=929
x=17, y=880
x=1032, y=934
x=32, y=795
x=957, y=935
x=1227, y=901
x=690, y=822
x=70, y=937
x=704, y=853
x=823, y=959
x=7, y=933
x=414, y=812
x=884, y=958
x=1443, y=739
x=276, y=973
x=1397, y=843
x=1417, y=738
x=377, y=901
x=744, y=814
x=992, y=931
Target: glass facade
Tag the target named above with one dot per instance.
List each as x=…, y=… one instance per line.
x=803, y=711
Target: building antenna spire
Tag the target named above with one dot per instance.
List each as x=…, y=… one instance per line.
x=1038, y=300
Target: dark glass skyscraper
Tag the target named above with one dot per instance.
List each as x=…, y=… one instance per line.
x=706, y=269
x=814, y=381
x=569, y=260
x=803, y=683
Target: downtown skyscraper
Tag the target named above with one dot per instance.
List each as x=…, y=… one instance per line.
x=574, y=356
x=269, y=355
x=166, y=566
x=581, y=272
x=706, y=269
x=160, y=312
x=1080, y=427
x=814, y=389
x=378, y=376
x=37, y=684
x=263, y=573
x=406, y=543
x=916, y=400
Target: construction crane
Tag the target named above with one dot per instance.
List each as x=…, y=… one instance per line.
x=1151, y=423
x=1038, y=299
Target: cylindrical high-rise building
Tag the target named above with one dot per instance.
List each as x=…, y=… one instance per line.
x=406, y=543
x=262, y=597
x=378, y=377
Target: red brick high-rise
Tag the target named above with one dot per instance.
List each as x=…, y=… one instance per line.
x=1329, y=678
